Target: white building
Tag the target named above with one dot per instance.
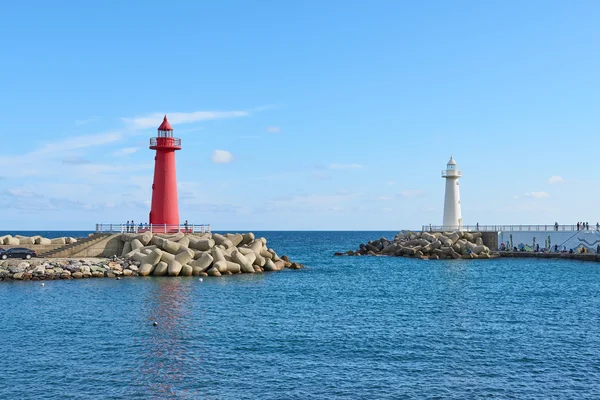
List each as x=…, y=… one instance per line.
x=452, y=213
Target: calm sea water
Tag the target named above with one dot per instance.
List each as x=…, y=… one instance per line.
x=345, y=327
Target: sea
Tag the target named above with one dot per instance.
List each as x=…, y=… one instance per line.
x=342, y=328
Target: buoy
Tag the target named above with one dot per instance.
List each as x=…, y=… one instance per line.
x=200, y=279
x=155, y=323
x=118, y=278
x=43, y=284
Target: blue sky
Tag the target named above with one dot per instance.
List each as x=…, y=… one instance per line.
x=336, y=114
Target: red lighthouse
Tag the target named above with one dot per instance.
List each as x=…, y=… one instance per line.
x=165, y=209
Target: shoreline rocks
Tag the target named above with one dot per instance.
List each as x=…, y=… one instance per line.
x=145, y=254
x=427, y=246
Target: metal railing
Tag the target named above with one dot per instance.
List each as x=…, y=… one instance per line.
x=451, y=173
x=518, y=228
x=165, y=141
x=154, y=228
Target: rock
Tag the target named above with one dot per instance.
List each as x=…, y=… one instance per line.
x=115, y=266
x=174, y=268
x=186, y=270
x=203, y=262
x=170, y=247
x=25, y=240
x=271, y=266
x=185, y=256
x=233, y=268
x=150, y=262
x=220, y=266
x=184, y=241
x=58, y=241
x=39, y=270
x=202, y=245
x=213, y=272
x=222, y=240
x=235, y=238
x=126, y=249
x=77, y=275
x=18, y=276
x=98, y=274
x=127, y=272
x=244, y=263
x=136, y=244
x=161, y=269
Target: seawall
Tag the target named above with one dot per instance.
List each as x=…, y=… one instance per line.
x=562, y=256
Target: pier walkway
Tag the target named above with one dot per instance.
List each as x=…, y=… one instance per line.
x=154, y=228
x=558, y=256
x=510, y=228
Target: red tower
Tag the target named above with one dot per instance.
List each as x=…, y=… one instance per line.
x=165, y=209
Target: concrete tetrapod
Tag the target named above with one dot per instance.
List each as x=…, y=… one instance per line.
x=244, y=263
x=160, y=269
x=149, y=262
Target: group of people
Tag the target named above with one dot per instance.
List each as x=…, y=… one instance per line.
x=581, y=226
x=555, y=248
x=584, y=226
x=131, y=228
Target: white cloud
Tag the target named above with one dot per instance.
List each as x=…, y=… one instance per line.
x=18, y=192
x=384, y=198
x=345, y=166
x=86, y=121
x=153, y=120
x=125, y=151
x=273, y=129
x=410, y=193
x=77, y=143
x=537, y=195
x=75, y=160
x=555, y=179
x=62, y=148
x=222, y=157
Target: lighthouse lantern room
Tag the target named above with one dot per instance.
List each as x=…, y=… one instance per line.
x=165, y=208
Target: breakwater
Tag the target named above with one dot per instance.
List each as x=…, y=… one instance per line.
x=146, y=254
x=426, y=246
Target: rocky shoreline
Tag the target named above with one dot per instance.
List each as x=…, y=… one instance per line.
x=146, y=254
x=427, y=246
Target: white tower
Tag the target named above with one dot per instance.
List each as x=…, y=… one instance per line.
x=452, y=214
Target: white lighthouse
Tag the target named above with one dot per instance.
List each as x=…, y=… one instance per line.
x=452, y=214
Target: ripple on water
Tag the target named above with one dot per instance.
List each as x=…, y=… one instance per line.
x=343, y=328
